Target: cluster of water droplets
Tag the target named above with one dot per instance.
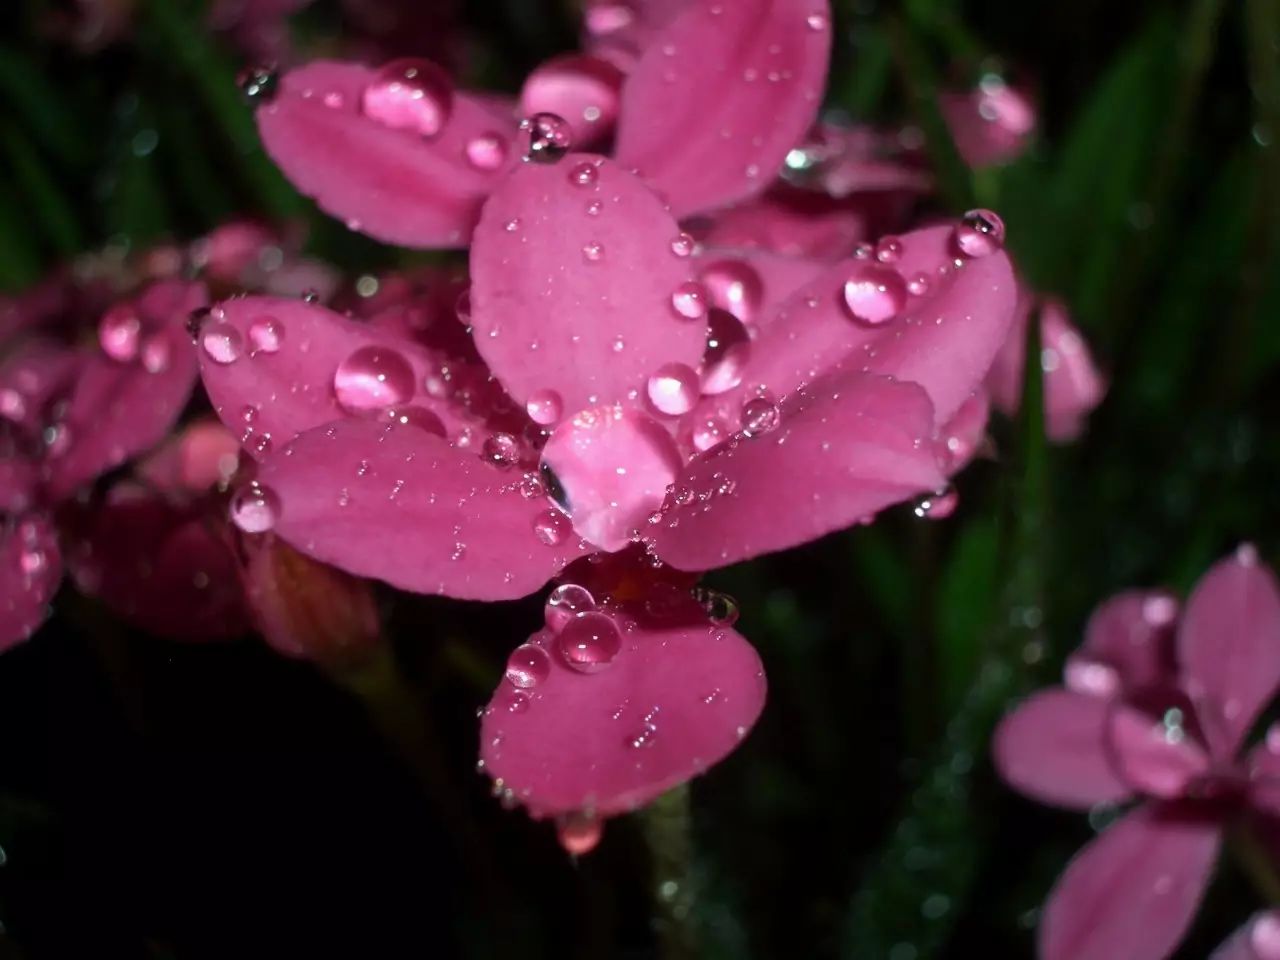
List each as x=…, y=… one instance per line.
x=125, y=337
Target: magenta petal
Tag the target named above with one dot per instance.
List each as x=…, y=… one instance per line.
x=165, y=569
x=19, y=479
x=720, y=95
x=275, y=394
x=944, y=339
x=573, y=273
x=1133, y=891
x=388, y=183
x=750, y=284
x=966, y=432
x=674, y=701
x=117, y=410
x=30, y=571
x=399, y=504
x=582, y=89
x=1259, y=939
x=1053, y=748
x=845, y=448
x=1229, y=647
x=1155, y=760
x=1128, y=645
x=33, y=373
x=792, y=222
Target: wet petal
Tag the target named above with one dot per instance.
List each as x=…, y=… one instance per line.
x=1155, y=745
x=720, y=95
x=672, y=702
x=389, y=183
x=30, y=571
x=1128, y=645
x=582, y=89
x=750, y=284
x=399, y=504
x=204, y=455
x=843, y=449
x=1133, y=891
x=943, y=339
x=1229, y=647
x=280, y=392
x=32, y=375
x=791, y=222
x=1053, y=747
x=965, y=434
x=990, y=124
x=573, y=276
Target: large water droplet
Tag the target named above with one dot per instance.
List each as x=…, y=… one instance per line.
x=979, y=233
x=566, y=602
x=255, y=508
x=372, y=379
x=551, y=527
x=589, y=643
x=727, y=353
x=221, y=342
x=760, y=415
x=550, y=137
x=259, y=84
x=528, y=666
x=119, y=332
x=580, y=833
x=487, y=151
x=874, y=294
x=502, y=450
x=689, y=300
x=734, y=286
x=545, y=407
x=410, y=94
x=721, y=609
x=673, y=389
x=265, y=334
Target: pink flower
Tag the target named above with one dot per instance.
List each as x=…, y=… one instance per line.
x=1073, y=384
x=1259, y=939
x=707, y=113
x=991, y=124
x=1156, y=706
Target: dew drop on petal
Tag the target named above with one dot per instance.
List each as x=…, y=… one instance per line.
x=487, y=151
x=545, y=407
x=1092, y=677
x=255, y=508
x=735, y=286
x=119, y=332
x=673, y=389
x=979, y=233
x=589, y=643
x=759, y=415
x=683, y=244
x=579, y=833
x=221, y=342
x=550, y=137
x=689, y=300
x=584, y=174
x=728, y=350
x=552, y=527
x=889, y=250
x=265, y=334
x=720, y=608
x=566, y=602
x=937, y=506
x=501, y=449
x=708, y=433
x=371, y=379
x=410, y=94
x=528, y=666
x=874, y=294
x=593, y=251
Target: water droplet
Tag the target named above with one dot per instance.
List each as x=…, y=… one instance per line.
x=584, y=174
x=589, y=643
x=594, y=208
x=728, y=350
x=1091, y=677
x=528, y=666
x=938, y=506
x=979, y=233
x=410, y=94
x=259, y=84
x=1264, y=936
x=372, y=379
x=502, y=450
x=550, y=137
x=487, y=151
x=918, y=285
x=673, y=389
x=682, y=245
x=889, y=250
x=545, y=407
x=265, y=334
x=735, y=286
x=874, y=294
x=221, y=342
x=419, y=418
x=593, y=252
x=156, y=353
x=689, y=300
x=119, y=332
x=566, y=602
x=708, y=433
x=255, y=508
x=580, y=833
x=551, y=527
x=816, y=22
x=759, y=415
x=721, y=609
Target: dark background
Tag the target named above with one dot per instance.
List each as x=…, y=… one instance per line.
x=162, y=800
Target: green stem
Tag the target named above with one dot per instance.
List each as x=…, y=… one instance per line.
x=668, y=829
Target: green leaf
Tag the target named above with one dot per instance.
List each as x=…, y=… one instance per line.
x=54, y=212
x=966, y=593
x=42, y=106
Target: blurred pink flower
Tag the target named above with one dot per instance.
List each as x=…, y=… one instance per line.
x=991, y=124
x=1073, y=384
x=1156, y=706
x=1259, y=939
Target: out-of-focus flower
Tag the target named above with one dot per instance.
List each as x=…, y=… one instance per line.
x=243, y=255
x=991, y=124
x=257, y=28
x=1155, y=707
x=1073, y=384
x=1259, y=939
x=399, y=154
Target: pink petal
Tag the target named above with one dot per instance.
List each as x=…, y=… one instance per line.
x=203, y=456
x=163, y=568
x=268, y=396
x=400, y=504
x=576, y=301
x=678, y=697
x=720, y=95
x=1259, y=939
x=965, y=434
x=582, y=89
x=750, y=284
x=19, y=480
x=30, y=571
x=34, y=373
x=389, y=183
x=791, y=222
x=845, y=448
x=1155, y=745
x=1128, y=645
x=990, y=124
x=944, y=340
x=117, y=410
x=622, y=29
x=1053, y=748
x=1133, y=891
x=1229, y=646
